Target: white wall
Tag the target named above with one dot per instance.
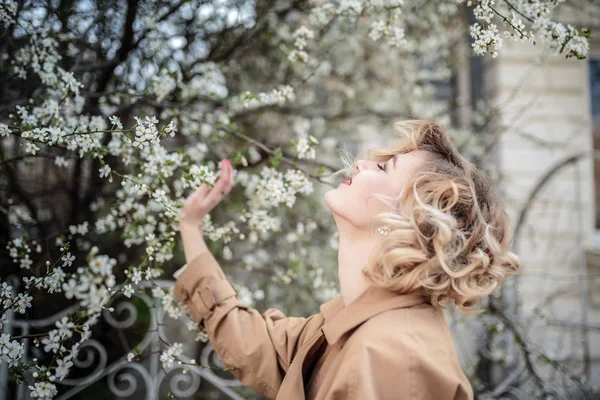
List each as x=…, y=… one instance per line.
x=548, y=118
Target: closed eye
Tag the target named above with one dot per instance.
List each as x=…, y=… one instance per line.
x=380, y=167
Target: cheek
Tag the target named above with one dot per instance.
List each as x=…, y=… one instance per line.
x=363, y=193
x=372, y=184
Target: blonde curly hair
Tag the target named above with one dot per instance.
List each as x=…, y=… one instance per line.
x=449, y=235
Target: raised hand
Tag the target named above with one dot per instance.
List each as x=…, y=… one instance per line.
x=203, y=200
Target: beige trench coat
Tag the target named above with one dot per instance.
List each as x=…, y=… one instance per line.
x=381, y=346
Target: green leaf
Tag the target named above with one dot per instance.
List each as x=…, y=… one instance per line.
x=275, y=159
x=236, y=157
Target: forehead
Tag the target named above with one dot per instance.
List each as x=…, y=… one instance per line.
x=414, y=156
x=411, y=161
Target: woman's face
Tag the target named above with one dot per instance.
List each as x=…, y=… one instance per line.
x=352, y=202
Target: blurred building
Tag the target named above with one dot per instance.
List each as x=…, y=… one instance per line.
x=548, y=111
x=549, y=107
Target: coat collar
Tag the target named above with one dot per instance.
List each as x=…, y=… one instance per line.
x=339, y=318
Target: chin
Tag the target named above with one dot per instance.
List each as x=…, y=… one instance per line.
x=327, y=197
x=335, y=201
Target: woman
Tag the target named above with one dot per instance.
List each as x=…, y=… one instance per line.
x=419, y=226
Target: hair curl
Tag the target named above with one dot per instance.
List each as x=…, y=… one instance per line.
x=449, y=235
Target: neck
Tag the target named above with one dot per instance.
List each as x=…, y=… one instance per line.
x=355, y=245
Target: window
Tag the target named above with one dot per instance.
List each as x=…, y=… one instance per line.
x=594, y=68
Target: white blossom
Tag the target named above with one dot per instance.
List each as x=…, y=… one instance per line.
x=53, y=342
x=31, y=148
x=61, y=161
x=43, y=390
x=277, y=96
x=4, y=130
x=171, y=129
x=62, y=368
x=11, y=351
x=170, y=355
x=67, y=259
x=127, y=290
x=65, y=327
x=145, y=132
x=81, y=229
x=116, y=122
x=8, y=9
x=305, y=147
x=162, y=84
x=104, y=171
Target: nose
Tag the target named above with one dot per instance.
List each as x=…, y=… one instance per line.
x=359, y=165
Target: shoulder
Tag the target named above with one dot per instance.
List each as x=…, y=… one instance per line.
x=410, y=345
x=420, y=329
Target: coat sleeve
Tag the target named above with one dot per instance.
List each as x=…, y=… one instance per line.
x=179, y=271
x=396, y=370
x=260, y=347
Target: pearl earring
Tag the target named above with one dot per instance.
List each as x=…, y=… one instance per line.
x=383, y=230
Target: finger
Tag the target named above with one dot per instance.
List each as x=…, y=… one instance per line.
x=220, y=189
x=204, y=189
x=225, y=178
x=200, y=193
x=226, y=175
x=231, y=182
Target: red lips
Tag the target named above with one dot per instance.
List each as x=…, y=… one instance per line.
x=348, y=181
